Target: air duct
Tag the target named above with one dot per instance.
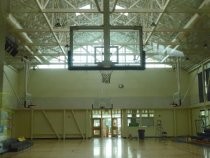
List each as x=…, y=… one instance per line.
x=23, y=35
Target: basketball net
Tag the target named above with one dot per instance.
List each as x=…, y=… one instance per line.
x=106, y=76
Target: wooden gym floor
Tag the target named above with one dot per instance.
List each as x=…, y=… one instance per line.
x=111, y=148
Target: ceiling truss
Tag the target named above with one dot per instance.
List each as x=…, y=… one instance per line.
x=168, y=25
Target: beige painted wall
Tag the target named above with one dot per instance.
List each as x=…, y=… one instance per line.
x=51, y=123
x=62, y=89
x=21, y=126
x=9, y=96
x=10, y=88
x=174, y=121
x=193, y=91
x=195, y=116
x=79, y=89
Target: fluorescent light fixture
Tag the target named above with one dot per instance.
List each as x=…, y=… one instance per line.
x=11, y=19
x=191, y=21
x=37, y=58
x=42, y=56
x=164, y=58
x=28, y=49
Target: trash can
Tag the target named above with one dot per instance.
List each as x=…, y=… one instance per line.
x=141, y=133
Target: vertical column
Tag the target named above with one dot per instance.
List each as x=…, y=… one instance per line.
x=64, y=124
x=179, y=81
x=175, y=123
x=190, y=122
x=203, y=84
x=106, y=32
x=32, y=123
x=2, y=44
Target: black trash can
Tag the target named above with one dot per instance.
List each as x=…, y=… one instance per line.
x=141, y=133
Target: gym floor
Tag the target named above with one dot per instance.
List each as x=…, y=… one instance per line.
x=111, y=148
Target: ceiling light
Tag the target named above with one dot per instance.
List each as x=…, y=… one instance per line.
x=153, y=24
x=58, y=24
x=205, y=45
x=66, y=45
x=187, y=58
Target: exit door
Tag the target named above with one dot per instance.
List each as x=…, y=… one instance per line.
x=116, y=127
x=96, y=127
x=106, y=123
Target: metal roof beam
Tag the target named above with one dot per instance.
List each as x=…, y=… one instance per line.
x=97, y=5
x=46, y=3
x=51, y=28
x=75, y=8
x=129, y=10
x=123, y=9
x=160, y=5
x=144, y=30
x=114, y=7
x=157, y=21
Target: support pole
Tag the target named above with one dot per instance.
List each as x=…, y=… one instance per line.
x=2, y=45
x=203, y=84
x=106, y=33
x=178, y=80
x=64, y=124
x=26, y=68
x=175, y=123
x=32, y=123
x=86, y=121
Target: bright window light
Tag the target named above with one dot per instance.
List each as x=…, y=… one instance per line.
x=158, y=66
x=119, y=7
x=51, y=66
x=54, y=63
x=151, y=63
x=59, y=59
x=86, y=57
x=85, y=7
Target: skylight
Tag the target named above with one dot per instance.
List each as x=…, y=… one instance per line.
x=84, y=7
x=58, y=60
x=119, y=7
x=59, y=63
x=151, y=63
x=51, y=66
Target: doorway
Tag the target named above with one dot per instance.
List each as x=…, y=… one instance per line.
x=96, y=127
x=106, y=123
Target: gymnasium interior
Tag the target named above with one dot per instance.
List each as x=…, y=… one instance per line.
x=104, y=78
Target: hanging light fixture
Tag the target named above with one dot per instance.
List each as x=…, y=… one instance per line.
x=58, y=24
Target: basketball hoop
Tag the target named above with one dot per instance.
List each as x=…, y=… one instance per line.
x=106, y=76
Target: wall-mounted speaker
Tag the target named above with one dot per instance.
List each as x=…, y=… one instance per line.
x=11, y=46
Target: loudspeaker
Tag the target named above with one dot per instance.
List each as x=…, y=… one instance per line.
x=11, y=46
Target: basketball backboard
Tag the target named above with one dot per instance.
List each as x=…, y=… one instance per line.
x=87, y=48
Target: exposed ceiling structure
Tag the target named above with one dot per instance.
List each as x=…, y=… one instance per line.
x=170, y=27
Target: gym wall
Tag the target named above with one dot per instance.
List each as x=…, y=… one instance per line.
x=69, y=123
x=72, y=89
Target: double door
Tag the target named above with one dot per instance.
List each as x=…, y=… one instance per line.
x=105, y=125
